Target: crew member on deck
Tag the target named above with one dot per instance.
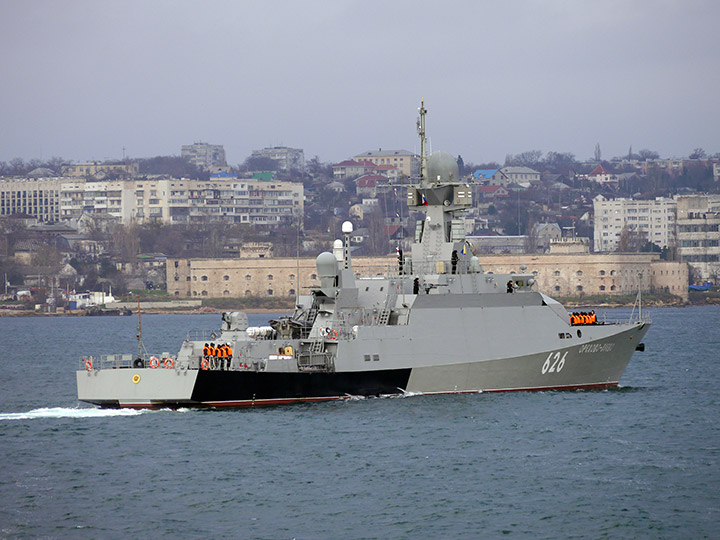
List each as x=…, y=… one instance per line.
x=206, y=353
x=510, y=286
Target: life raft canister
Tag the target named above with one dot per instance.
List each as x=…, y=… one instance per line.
x=154, y=362
x=169, y=363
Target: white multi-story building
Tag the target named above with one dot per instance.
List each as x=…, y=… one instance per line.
x=518, y=175
x=287, y=158
x=407, y=163
x=205, y=156
x=35, y=197
x=652, y=220
x=698, y=234
x=169, y=200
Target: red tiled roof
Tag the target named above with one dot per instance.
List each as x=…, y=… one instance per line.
x=599, y=170
x=347, y=163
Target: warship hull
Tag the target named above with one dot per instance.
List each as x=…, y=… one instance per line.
x=589, y=364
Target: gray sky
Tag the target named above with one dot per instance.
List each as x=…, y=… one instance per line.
x=82, y=79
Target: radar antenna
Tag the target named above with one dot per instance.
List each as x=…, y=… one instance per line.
x=423, y=143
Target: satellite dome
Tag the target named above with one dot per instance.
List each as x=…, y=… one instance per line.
x=326, y=265
x=443, y=165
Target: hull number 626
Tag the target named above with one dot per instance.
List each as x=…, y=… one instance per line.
x=554, y=363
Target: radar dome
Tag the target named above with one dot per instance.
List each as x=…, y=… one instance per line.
x=326, y=265
x=443, y=165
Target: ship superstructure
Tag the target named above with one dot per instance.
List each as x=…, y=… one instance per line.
x=435, y=322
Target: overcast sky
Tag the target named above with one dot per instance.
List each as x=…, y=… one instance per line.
x=83, y=79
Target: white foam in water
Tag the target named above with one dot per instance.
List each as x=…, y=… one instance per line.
x=63, y=412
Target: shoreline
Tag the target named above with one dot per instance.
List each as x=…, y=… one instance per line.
x=206, y=310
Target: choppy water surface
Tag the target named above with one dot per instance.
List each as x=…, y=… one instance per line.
x=637, y=462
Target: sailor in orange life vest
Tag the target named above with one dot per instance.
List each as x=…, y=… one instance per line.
x=205, y=353
x=229, y=355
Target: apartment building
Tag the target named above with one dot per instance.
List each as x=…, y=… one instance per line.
x=287, y=158
x=101, y=169
x=653, y=220
x=224, y=199
x=205, y=156
x=407, y=163
x=35, y=197
x=698, y=234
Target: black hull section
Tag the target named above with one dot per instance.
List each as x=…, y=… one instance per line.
x=237, y=388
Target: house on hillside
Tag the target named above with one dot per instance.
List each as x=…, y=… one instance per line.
x=489, y=176
x=351, y=169
x=490, y=192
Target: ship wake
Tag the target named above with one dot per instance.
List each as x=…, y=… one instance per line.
x=67, y=412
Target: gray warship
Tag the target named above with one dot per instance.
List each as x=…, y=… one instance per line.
x=435, y=323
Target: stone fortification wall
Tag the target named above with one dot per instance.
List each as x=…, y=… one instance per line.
x=234, y=278
x=573, y=275
x=594, y=274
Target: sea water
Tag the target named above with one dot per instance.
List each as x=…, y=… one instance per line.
x=641, y=461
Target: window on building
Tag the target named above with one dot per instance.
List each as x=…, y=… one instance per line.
x=226, y=278
x=291, y=292
x=579, y=288
x=270, y=277
x=194, y=278
x=270, y=292
x=557, y=288
x=612, y=287
x=313, y=276
x=579, y=272
x=226, y=293
x=247, y=292
x=204, y=293
x=204, y=278
x=602, y=272
x=612, y=272
x=557, y=273
x=602, y=287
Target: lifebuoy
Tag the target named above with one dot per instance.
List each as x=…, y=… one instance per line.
x=169, y=363
x=205, y=364
x=88, y=364
x=154, y=362
x=332, y=333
